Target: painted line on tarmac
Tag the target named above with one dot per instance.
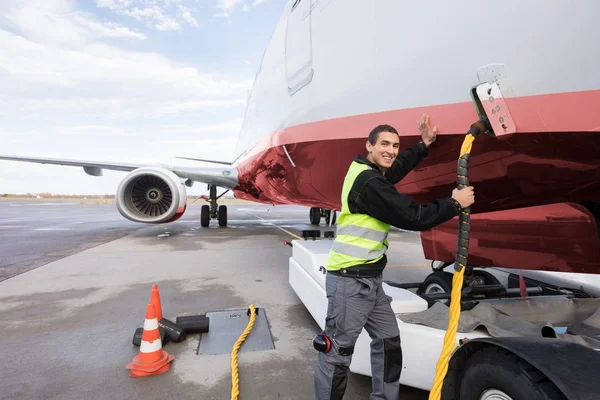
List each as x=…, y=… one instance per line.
x=278, y=227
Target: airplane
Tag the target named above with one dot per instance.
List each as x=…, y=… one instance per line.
x=335, y=69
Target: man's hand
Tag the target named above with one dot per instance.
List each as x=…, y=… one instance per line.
x=427, y=134
x=465, y=196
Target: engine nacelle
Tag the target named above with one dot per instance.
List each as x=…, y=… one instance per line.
x=151, y=195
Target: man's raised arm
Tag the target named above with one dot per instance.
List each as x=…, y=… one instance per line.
x=406, y=160
x=409, y=158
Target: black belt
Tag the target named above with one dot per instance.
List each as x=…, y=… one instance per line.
x=356, y=272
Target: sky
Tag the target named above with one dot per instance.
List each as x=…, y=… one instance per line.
x=124, y=81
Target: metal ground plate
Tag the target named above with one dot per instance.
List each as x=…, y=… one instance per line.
x=227, y=326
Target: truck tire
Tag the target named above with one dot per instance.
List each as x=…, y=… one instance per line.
x=436, y=282
x=495, y=373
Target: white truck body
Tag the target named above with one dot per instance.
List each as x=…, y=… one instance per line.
x=421, y=345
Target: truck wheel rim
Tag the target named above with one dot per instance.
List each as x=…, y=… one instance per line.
x=434, y=288
x=494, y=394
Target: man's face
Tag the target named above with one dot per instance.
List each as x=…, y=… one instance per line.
x=385, y=150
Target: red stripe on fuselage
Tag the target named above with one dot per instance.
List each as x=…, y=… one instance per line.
x=544, y=162
x=560, y=112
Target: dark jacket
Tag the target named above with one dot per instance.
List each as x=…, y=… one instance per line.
x=375, y=194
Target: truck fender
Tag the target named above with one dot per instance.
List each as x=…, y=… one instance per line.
x=572, y=367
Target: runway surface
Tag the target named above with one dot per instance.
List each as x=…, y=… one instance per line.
x=81, y=280
x=36, y=233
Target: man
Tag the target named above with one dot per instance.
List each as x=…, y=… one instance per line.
x=370, y=205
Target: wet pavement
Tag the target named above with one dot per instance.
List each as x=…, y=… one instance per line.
x=67, y=325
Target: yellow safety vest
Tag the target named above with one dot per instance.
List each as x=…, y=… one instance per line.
x=360, y=238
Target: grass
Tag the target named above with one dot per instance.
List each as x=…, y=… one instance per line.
x=199, y=202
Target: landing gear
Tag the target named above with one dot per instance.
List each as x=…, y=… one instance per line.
x=214, y=211
x=205, y=215
x=330, y=217
x=316, y=213
x=222, y=215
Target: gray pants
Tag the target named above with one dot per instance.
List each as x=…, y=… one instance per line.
x=354, y=303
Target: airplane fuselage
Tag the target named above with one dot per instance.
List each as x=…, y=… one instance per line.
x=335, y=69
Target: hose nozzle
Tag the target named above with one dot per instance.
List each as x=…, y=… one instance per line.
x=481, y=126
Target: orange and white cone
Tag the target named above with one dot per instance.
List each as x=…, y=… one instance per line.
x=155, y=299
x=152, y=359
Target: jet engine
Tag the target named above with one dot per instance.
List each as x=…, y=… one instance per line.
x=151, y=195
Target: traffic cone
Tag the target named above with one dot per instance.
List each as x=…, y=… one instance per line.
x=152, y=359
x=155, y=299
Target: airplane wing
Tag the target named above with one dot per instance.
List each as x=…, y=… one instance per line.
x=224, y=177
x=90, y=167
x=208, y=161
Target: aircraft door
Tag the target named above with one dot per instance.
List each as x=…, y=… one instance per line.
x=298, y=46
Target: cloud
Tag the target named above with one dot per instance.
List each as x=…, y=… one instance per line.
x=227, y=129
x=86, y=77
x=229, y=7
x=186, y=15
x=155, y=14
x=61, y=26
x=93, y=131
x=162, y=15
x=114, y=4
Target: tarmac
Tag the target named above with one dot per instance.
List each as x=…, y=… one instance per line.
x=67, y=325
x=35, y=233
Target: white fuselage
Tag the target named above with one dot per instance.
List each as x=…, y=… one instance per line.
x=333, y=59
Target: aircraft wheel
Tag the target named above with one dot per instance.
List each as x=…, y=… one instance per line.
x=497, y=374
x=315, y=215
x=222, y=215
x=331, y=214
x=205, y=216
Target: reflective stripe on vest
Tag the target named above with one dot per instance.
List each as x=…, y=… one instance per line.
x=360, y=239
x=365, y=233
x=357, y=251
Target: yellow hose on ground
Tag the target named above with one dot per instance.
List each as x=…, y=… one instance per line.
x=235, y=380
x=457, y=280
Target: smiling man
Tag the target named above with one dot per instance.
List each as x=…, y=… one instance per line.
x=370, y=205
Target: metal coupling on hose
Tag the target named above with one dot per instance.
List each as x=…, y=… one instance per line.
x=481, y=126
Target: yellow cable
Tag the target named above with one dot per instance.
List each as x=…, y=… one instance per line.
x=235, y=380
x=455, y=298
